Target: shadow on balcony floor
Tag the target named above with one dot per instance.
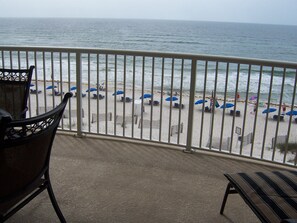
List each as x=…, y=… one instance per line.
x=99, y=180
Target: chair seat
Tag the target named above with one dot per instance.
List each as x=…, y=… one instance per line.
x=6, y=206
x=271, y=195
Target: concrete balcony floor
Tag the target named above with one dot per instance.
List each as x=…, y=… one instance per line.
x=99, y=180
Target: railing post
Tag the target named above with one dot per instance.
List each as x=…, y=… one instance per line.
x=191, y=107
x=78, y=94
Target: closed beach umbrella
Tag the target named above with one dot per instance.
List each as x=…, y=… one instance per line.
x=201, y=101
x=50, y=87
x=73, y=88
x=291, y=112
x=171, y=98
x=269, y=110
x=227, y=105
x=91, y=89
x=118, y=92
x=146, y=96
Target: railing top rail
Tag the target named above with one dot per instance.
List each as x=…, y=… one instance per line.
x=203, y=57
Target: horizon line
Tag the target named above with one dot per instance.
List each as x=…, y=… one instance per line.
x=148, y=19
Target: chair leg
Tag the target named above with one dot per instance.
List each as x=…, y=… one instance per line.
x=225, y=197
x=53, y=200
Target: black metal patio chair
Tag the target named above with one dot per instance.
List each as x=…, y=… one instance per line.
x=25, y=149
x=14, y=90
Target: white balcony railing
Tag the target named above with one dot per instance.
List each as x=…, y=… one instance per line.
x=250, y=85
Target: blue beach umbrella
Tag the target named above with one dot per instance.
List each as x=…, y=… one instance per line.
x=227, y=105
x=269, y=110
x=91, y=89
x=145, y=96
x=291, y=112
x=201, y=101
x=73, y=88
x=171, y=98
x=118, y=92
x=50, y=87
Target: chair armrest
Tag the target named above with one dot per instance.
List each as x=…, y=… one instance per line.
x=23, y=113
x=4, y=114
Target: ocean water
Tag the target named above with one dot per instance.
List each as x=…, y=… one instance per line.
x=273, y=42
x=230, y=39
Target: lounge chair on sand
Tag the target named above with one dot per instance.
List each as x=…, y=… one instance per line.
x=34, y=91
x=177, y=105
x=237, y=113
x=100, y=96
x=127, y=99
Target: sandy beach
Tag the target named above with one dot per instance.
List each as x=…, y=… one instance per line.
x=225, y=131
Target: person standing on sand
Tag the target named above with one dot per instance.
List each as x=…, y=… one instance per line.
x=284, y=108
x=254, y=109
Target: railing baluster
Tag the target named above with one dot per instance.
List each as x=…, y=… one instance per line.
x=69, y=86
x=224, y=110
x=53, y=78
x=161, y=99
x=133, y=94
x=98, y=101
x=79, y=92
x=235, y=103
x=203, y=104
x=106, y=93
x=245, y=108
x=279, y=112
x=89, y=92
x=171, y=99
x=11, y=63
x=115, y=96
x=44, y=79
x=257, y=105
x=191, y=105
x=3, y=61
x=36, y=82
x=290, y=120
x=214, y=98
x=152, y=93
x=124, y=105
x=142, y=92
x=181, y=101
x=268, y=106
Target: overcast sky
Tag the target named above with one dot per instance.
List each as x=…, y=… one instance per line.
x=248, y=11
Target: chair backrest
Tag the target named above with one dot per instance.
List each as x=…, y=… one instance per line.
x=25, y=148
x=14, y=90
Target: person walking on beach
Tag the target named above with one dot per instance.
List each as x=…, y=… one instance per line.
x=284, y=108
x=254, y=109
